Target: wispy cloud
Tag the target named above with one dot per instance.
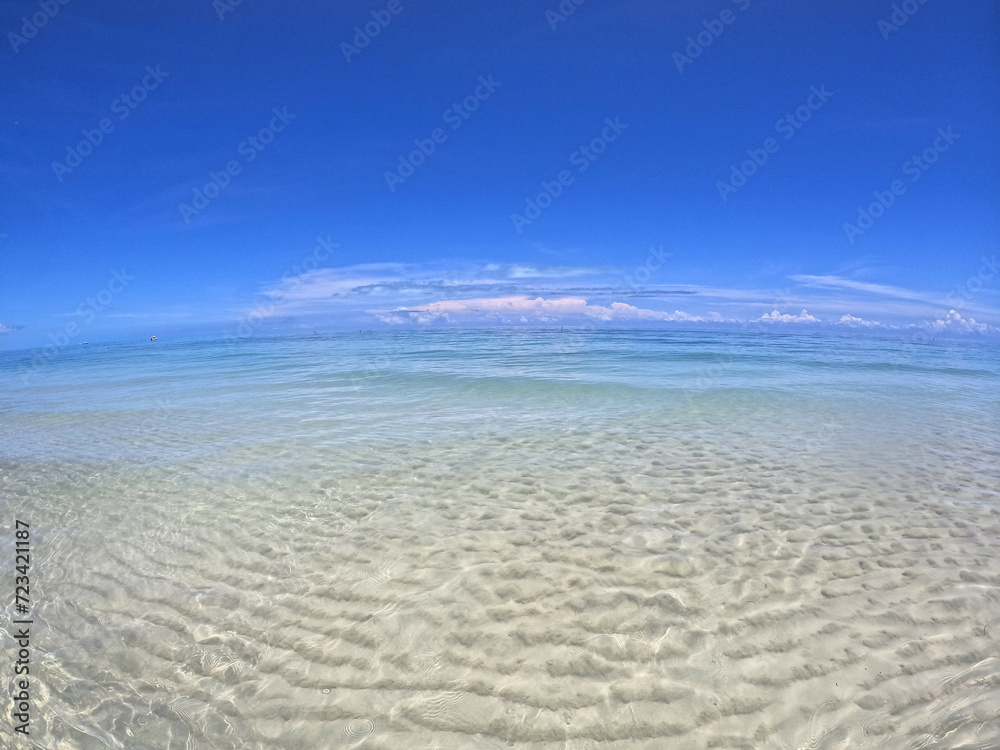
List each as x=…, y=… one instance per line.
x=518, y=271
x=388, y=279
x=325, y=283
x=836, y=282
x=522, y=309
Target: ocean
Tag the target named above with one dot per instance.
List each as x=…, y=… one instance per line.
x=507, y=538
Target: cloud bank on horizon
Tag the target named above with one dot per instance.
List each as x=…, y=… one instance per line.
x=523, y=294
x=468, y=294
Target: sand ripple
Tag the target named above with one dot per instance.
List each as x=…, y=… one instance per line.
x=572, y=589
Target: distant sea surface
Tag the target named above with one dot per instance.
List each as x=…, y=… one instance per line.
x=513, y=538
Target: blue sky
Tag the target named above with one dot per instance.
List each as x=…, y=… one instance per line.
x=257, y=167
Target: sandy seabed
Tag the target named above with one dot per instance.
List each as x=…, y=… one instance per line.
x=600, y=587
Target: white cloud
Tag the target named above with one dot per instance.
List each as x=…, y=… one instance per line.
x=953, y=322
x=522, y=308
x=777, y=317
x=4, y=329
x=855, y=322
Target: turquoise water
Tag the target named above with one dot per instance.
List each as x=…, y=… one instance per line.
x=515, y=538
x=202, y=396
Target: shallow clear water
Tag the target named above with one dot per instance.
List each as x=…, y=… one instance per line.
x=532, y=539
